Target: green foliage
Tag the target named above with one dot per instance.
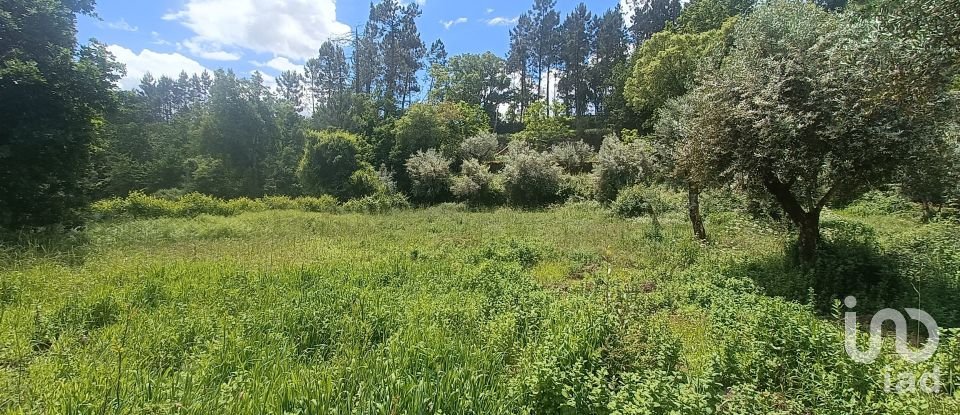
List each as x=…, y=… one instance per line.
x=589, y=318
x=632, y=202
x=377, y=203
x=545, y=126
x=574, y=157
x=706, y=15
x=140, y=206
x=208, y=175
x=476, y=184
x=53, y=95
x=483, y=147
x=443, y=126
x=430, y=176
x=620, y=165
x=477, y=80
x=530, y=179
x=666, y=65
x=828, y=127
x=878, y=202
x=329, y=162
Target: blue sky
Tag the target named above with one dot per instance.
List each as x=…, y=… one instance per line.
x=167, y=36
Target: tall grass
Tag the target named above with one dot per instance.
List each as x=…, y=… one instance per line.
x=567, y=310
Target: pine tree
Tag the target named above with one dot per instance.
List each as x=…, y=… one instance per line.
x=652, y=16
x=610, y=52
x=578, y=33
x=519, y=58
x=545, y=45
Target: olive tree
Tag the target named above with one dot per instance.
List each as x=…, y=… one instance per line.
x=811, y=105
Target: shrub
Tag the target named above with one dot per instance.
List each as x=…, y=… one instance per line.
x=279, y=203
x=530, y=178
x=211, y=176
x=475, y=184
x=574, y=157
x=329, y=161
x=483, y=147
x=577, y=188
x=619, y=165
x=322, y=204
x=378, y=203
x=365, y=182
x=137, y=205
x=880, y=203
x=442, y=126
x=545, y=125
x=430, y=176
x=632, y=202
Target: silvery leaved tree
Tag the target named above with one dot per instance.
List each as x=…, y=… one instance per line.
x=810, y=105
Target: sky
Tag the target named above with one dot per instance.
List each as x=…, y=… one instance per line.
x=165, y=37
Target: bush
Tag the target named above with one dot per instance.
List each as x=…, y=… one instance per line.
x=619, y=165
x=475, y=184
x=574, y=157
x=879, y=202
x=429, y=175
x=365, y=182
x=140, y=206
x=322, y=204
x=483, y=147
x=577, y=188
x=330, y=160
x=378, y=203
x=530, y=178
x=632, y=202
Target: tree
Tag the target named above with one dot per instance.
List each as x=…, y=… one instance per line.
x=478, y=80
x=811, y=105
x=329, y=78
x=576, y=50
x=331, y=158
x=545, y=126
x=931, y=176
x=545, y=22
x=666, y=66
x=392, y=32
x=519, y=58
x=610, y=53
x=238, y=128
x=652, y=16
x=52, y=97
x=443, y=126
x=290, y=89
x=705, y=15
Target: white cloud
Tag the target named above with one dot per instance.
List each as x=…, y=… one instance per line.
x=279, y=63
x=159, y=40
x=289, y=28
x=490, y=11
x=502, y=21
x=121, y=25
x=157, y=64
x=451, y=23
x=212, y=51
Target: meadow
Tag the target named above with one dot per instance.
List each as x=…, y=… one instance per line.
x=290, y=310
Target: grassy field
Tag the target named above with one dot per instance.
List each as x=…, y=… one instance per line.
x=442, y=310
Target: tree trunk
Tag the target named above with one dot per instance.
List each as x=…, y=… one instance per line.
x=696, y=219
x=807, y=222
x=809, y=238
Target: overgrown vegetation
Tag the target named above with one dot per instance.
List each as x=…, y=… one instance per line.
x=566, y=310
